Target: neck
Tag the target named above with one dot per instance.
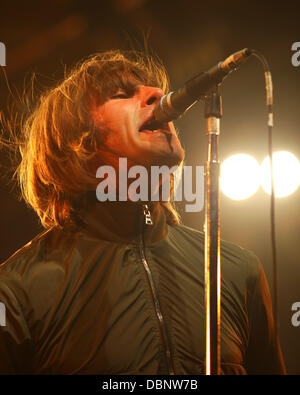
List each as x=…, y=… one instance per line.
x=125, y=221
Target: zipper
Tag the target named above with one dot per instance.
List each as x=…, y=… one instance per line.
x=160, y=318
x=147, y=215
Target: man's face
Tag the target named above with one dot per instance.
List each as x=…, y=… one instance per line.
x=123, y=119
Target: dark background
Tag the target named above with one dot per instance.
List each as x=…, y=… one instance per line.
x=189, y=36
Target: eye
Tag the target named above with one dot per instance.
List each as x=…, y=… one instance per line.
x=120, y=95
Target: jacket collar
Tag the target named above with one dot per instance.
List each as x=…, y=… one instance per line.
x=124, y=222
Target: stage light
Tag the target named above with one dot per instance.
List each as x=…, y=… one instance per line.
x=240, y=176
x=286, y=168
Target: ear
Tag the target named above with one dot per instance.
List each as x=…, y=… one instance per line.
x=93, y=104
x=93, y=100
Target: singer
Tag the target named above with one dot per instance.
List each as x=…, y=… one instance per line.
x=118, y=287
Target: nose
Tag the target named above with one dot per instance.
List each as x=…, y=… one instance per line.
x=150, y=95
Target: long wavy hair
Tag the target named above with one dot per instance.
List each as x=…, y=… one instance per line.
x=59, y=140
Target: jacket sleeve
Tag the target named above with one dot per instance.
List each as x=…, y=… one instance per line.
x=263, y=353
x=15, y=340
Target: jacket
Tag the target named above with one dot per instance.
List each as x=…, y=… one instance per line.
x=116, y=295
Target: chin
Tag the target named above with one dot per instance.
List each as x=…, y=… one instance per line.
x=170, y=158
x=175, y=158
x=175, y=155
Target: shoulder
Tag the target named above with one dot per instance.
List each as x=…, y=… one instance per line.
x=33, y=275
x=234, y=258
x=36, y=260
x=33, y=250
x=182, y=232
x=236, y=255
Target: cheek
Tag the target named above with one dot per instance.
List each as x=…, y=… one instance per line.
x=109, y=128
x=113, y=141
x=117, y=120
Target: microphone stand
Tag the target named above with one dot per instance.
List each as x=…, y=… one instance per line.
x=213, y=113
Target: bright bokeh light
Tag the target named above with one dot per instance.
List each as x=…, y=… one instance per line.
x=286, y=168
x=240, y=176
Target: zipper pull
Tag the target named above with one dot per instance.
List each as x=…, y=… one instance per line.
x=147, y=215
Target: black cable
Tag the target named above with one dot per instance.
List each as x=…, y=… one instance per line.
x=269, y=100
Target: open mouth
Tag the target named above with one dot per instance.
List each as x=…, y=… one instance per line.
x=153, y=126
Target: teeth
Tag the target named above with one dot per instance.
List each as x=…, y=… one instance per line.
x=152, y=126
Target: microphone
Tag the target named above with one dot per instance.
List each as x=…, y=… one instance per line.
x=175, y=104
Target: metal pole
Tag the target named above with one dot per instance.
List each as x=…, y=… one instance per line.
x=213, y=113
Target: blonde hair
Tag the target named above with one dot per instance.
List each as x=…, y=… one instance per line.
x=59, y=141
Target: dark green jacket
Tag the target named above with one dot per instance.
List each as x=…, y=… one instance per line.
x=101, y=299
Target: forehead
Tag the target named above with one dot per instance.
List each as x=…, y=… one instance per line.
x=125, y=74
x=112, y=76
